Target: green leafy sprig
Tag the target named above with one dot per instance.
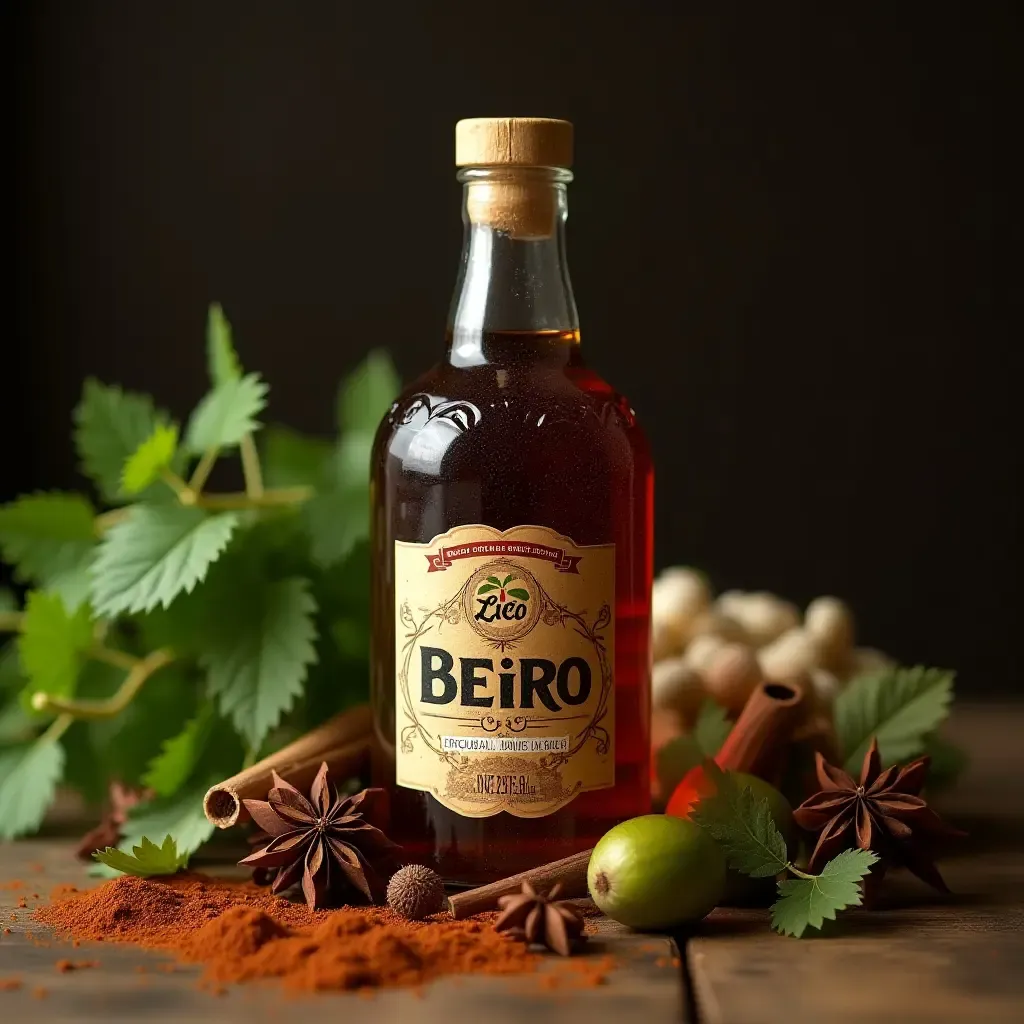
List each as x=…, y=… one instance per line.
x=742, y=826
x=175, y=633
x=146, y=859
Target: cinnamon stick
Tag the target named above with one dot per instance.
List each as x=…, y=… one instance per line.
x=570, y=871
x=764, y=726
x=343, y=742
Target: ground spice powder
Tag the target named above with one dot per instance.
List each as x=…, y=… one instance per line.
x=241, y=932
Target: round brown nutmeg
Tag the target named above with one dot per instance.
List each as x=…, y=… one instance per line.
x=416, y=892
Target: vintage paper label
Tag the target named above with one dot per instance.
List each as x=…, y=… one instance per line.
x=505, y=648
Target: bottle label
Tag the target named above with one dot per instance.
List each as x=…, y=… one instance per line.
x=505, y=648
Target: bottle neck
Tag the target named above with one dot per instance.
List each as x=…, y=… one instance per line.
x=514, y=275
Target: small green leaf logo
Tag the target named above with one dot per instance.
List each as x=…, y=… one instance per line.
x=493, y=583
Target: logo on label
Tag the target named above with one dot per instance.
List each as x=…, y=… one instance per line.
x=505, y=655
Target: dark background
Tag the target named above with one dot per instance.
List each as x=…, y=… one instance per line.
x=782, y=241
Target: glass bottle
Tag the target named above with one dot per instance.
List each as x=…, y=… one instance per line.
x=512, y=546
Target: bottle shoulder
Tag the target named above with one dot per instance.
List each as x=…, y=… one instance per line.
x=458, y=414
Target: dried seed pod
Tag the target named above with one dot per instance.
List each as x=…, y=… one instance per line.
x=825, y=687
x=416, y=892
x=863, y=660
x=677, y=687
x=763, y=616
x=666, y=641
x=790, y=655
x=699, y=654
x=830, y=622
x=731, y=676
x=718, y=624
x=678, y=597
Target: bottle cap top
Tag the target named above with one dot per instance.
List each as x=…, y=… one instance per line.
x=522, y=141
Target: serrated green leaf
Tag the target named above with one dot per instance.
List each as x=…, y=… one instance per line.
x=155, y=454
x=110, y=424
x=180, y=816
x=146, y=859
x=899, y=707
x=367, y=393
x=292, y=460
x=221, y=357
x=28, y=779
x=171, y=768
x=50, y=540
x=158, y=552
x=711, y=727
x=258, y=657
x=52, y=643
x=227, y=414
x=809, y=902
x=336, y=521
x=742, y=826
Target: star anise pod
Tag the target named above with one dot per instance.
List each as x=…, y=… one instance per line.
x=325, y=840
x=543, y=919
x=882, y=812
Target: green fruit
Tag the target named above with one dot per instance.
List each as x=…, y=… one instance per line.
x=656, y=872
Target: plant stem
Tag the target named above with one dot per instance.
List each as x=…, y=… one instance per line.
x=185, y=493
x=251, y=467
x=268, y=499
x=201, y=473
x=119, y=659
x=800, y=874
x=56, y=729
x=105, y=520
x=10, y=622
x=92, y=709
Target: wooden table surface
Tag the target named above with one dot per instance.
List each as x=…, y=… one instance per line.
x=918, y=958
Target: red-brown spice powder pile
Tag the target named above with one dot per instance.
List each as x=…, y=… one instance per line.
x=241, y=932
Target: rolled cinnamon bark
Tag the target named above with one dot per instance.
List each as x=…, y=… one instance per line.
x=570, y=871
x=764, y=726
x=343, y=742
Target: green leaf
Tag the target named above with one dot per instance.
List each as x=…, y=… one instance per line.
x=487, y=588
x=522, y=595
x=110, y=424
x=158, y=552
x=711, y=727
x=494, y=580
x=180, y=816
x=154, y=455
x=221, y=357
x=899, y=707
x=336, y=522
x=28, y=779
x=258, y=657
x=227, y=414
x=809, y=902
x=171, y=768
x=146, y=859
x=367, y=393
x=50, y=539
x=948, y=763
x=292, y=460
x=742, y=825
x=52, y=643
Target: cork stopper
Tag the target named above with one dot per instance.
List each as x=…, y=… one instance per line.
x=515, y=196
x=513, y=141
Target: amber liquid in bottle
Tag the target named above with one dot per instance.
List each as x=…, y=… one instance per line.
x=512, y=428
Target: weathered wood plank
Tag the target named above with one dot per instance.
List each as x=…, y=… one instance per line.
x=647, y=979
x=920, y=957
